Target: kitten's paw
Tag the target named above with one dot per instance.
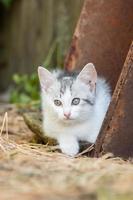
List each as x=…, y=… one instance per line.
x=70, y=149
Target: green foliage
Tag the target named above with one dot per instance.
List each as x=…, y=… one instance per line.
x=60, y=44
x=51, y=53
x=54, y=56
x=26, y=90
x=6, y=3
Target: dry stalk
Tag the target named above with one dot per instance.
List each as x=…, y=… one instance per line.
x=5, y=145
x=4, y=124
x=89, y=149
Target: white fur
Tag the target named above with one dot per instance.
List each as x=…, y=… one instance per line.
x=85, y=121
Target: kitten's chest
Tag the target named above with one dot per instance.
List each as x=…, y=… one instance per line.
x=80, y=131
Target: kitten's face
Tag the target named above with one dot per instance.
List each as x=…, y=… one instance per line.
x=70, y=100
x=74, y=104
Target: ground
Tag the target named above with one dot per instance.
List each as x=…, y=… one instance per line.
x=31, y=171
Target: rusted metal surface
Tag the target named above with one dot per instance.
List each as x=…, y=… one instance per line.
x=116, y=135
x=102, y=36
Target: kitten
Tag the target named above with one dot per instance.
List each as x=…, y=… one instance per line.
x=74, y=106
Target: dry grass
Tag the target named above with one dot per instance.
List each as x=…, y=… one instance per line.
x=34, y=171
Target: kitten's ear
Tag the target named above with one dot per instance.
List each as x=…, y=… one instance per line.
x=46, y=78
x=88, y=75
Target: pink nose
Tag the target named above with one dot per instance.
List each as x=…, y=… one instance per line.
x=67, y=115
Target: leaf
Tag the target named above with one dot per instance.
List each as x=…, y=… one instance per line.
x=6, y=3
x=16, y=78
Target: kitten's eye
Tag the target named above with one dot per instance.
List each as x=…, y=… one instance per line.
x=57, y=102
x=75, y=101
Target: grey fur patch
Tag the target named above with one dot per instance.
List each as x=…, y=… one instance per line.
x=66, y=82
x=88, y=101
x=64, y=74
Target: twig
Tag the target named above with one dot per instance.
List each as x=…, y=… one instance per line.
x=90, y=148
x=4, y=123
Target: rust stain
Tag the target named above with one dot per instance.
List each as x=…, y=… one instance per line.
x=113, y=127
x=102, y=36
x=116, y=135
x=70, y=60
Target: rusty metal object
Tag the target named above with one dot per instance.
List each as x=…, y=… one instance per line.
x=102, y=36
x=116, y=135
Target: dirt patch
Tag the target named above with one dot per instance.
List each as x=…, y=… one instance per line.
x=35, y=171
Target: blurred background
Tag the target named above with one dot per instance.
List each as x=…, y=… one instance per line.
x=33, y=33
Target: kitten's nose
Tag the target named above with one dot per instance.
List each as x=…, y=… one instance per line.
x=67, y=114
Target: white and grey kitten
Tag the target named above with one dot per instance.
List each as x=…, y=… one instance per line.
x=73, y=106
